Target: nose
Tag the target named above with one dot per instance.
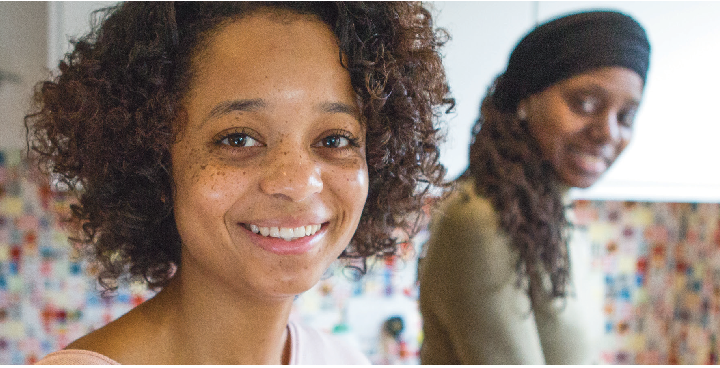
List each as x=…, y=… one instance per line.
x=606, y=128
x=292, y=175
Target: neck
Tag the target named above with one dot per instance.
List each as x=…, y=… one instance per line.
x=207, y=323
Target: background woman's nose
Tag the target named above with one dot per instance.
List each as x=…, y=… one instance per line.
x=293, y=176
x=606, y=128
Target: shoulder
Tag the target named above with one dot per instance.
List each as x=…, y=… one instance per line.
x=467, y=243
x=311, y=346
x=137, y=337
x=466, y=209
x=76, y=357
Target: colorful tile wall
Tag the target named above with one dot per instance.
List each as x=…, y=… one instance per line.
x=661, y=263
x=377, y=312
x=47, y=298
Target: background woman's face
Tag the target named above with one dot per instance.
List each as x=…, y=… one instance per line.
x=273, y=150
x=583, y=123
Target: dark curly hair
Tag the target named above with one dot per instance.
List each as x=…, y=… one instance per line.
x=103, y=127
x=507, y=167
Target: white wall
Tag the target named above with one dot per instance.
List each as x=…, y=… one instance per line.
x=675, y=153
x=23, y=50
x=69, y=20
x=482, y=36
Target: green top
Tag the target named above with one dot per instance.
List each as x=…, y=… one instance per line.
x=474, y=312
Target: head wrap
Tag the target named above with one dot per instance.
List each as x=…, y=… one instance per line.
x=570, y=45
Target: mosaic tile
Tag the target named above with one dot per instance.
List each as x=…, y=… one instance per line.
x=661, y=263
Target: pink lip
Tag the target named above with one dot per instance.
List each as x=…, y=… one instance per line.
x=592, y=167
x=283, y=247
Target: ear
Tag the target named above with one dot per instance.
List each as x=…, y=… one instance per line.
x=522, y=110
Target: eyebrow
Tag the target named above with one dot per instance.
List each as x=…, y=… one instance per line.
x=226, y=107
x=249, y=105
x=339, y=107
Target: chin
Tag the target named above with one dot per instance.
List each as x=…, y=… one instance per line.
x=580, y=181
x=297, y=284
x=583, y=185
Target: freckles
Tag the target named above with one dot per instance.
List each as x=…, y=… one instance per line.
x=355, y=178
x=217, y=175
x=195, y=167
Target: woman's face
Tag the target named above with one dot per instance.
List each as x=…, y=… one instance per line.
x=583, y=123
x=270, y=169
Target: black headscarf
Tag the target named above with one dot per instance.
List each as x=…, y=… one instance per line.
x=571, y=45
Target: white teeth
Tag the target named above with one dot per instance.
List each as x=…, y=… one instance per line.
x=287, y=233
x=593, y=163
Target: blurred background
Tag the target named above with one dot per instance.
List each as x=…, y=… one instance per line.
x=652, y=225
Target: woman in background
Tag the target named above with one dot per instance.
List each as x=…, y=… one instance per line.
x=226, y=153
x=499, y=283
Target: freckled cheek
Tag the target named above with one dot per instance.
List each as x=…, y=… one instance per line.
x=350, y=185
x=210, y=189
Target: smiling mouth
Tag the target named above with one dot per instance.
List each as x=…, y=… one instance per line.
x=285, y=233
x=592, y=163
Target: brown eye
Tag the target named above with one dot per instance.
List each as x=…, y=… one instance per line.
x=335, y=141
x=239, y=140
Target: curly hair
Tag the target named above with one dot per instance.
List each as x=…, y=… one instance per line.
x=507, y=167
x=103, y=126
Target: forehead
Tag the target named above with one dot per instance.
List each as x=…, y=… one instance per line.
x=615, y=81
x=280, y=59
x=251, y=31
x=263, y=43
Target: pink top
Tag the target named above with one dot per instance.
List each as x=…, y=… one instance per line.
x=307, y=346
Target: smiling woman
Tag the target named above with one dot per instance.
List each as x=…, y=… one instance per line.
x=500, y=283
x=228, y=153
x=582, y=124
x=265, y=146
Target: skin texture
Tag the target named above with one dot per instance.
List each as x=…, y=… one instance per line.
x=285, y=175
x=272, y=138
x=583, y=123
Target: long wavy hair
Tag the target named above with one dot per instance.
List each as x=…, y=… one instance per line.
x=507, y=167
x=103, y=126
